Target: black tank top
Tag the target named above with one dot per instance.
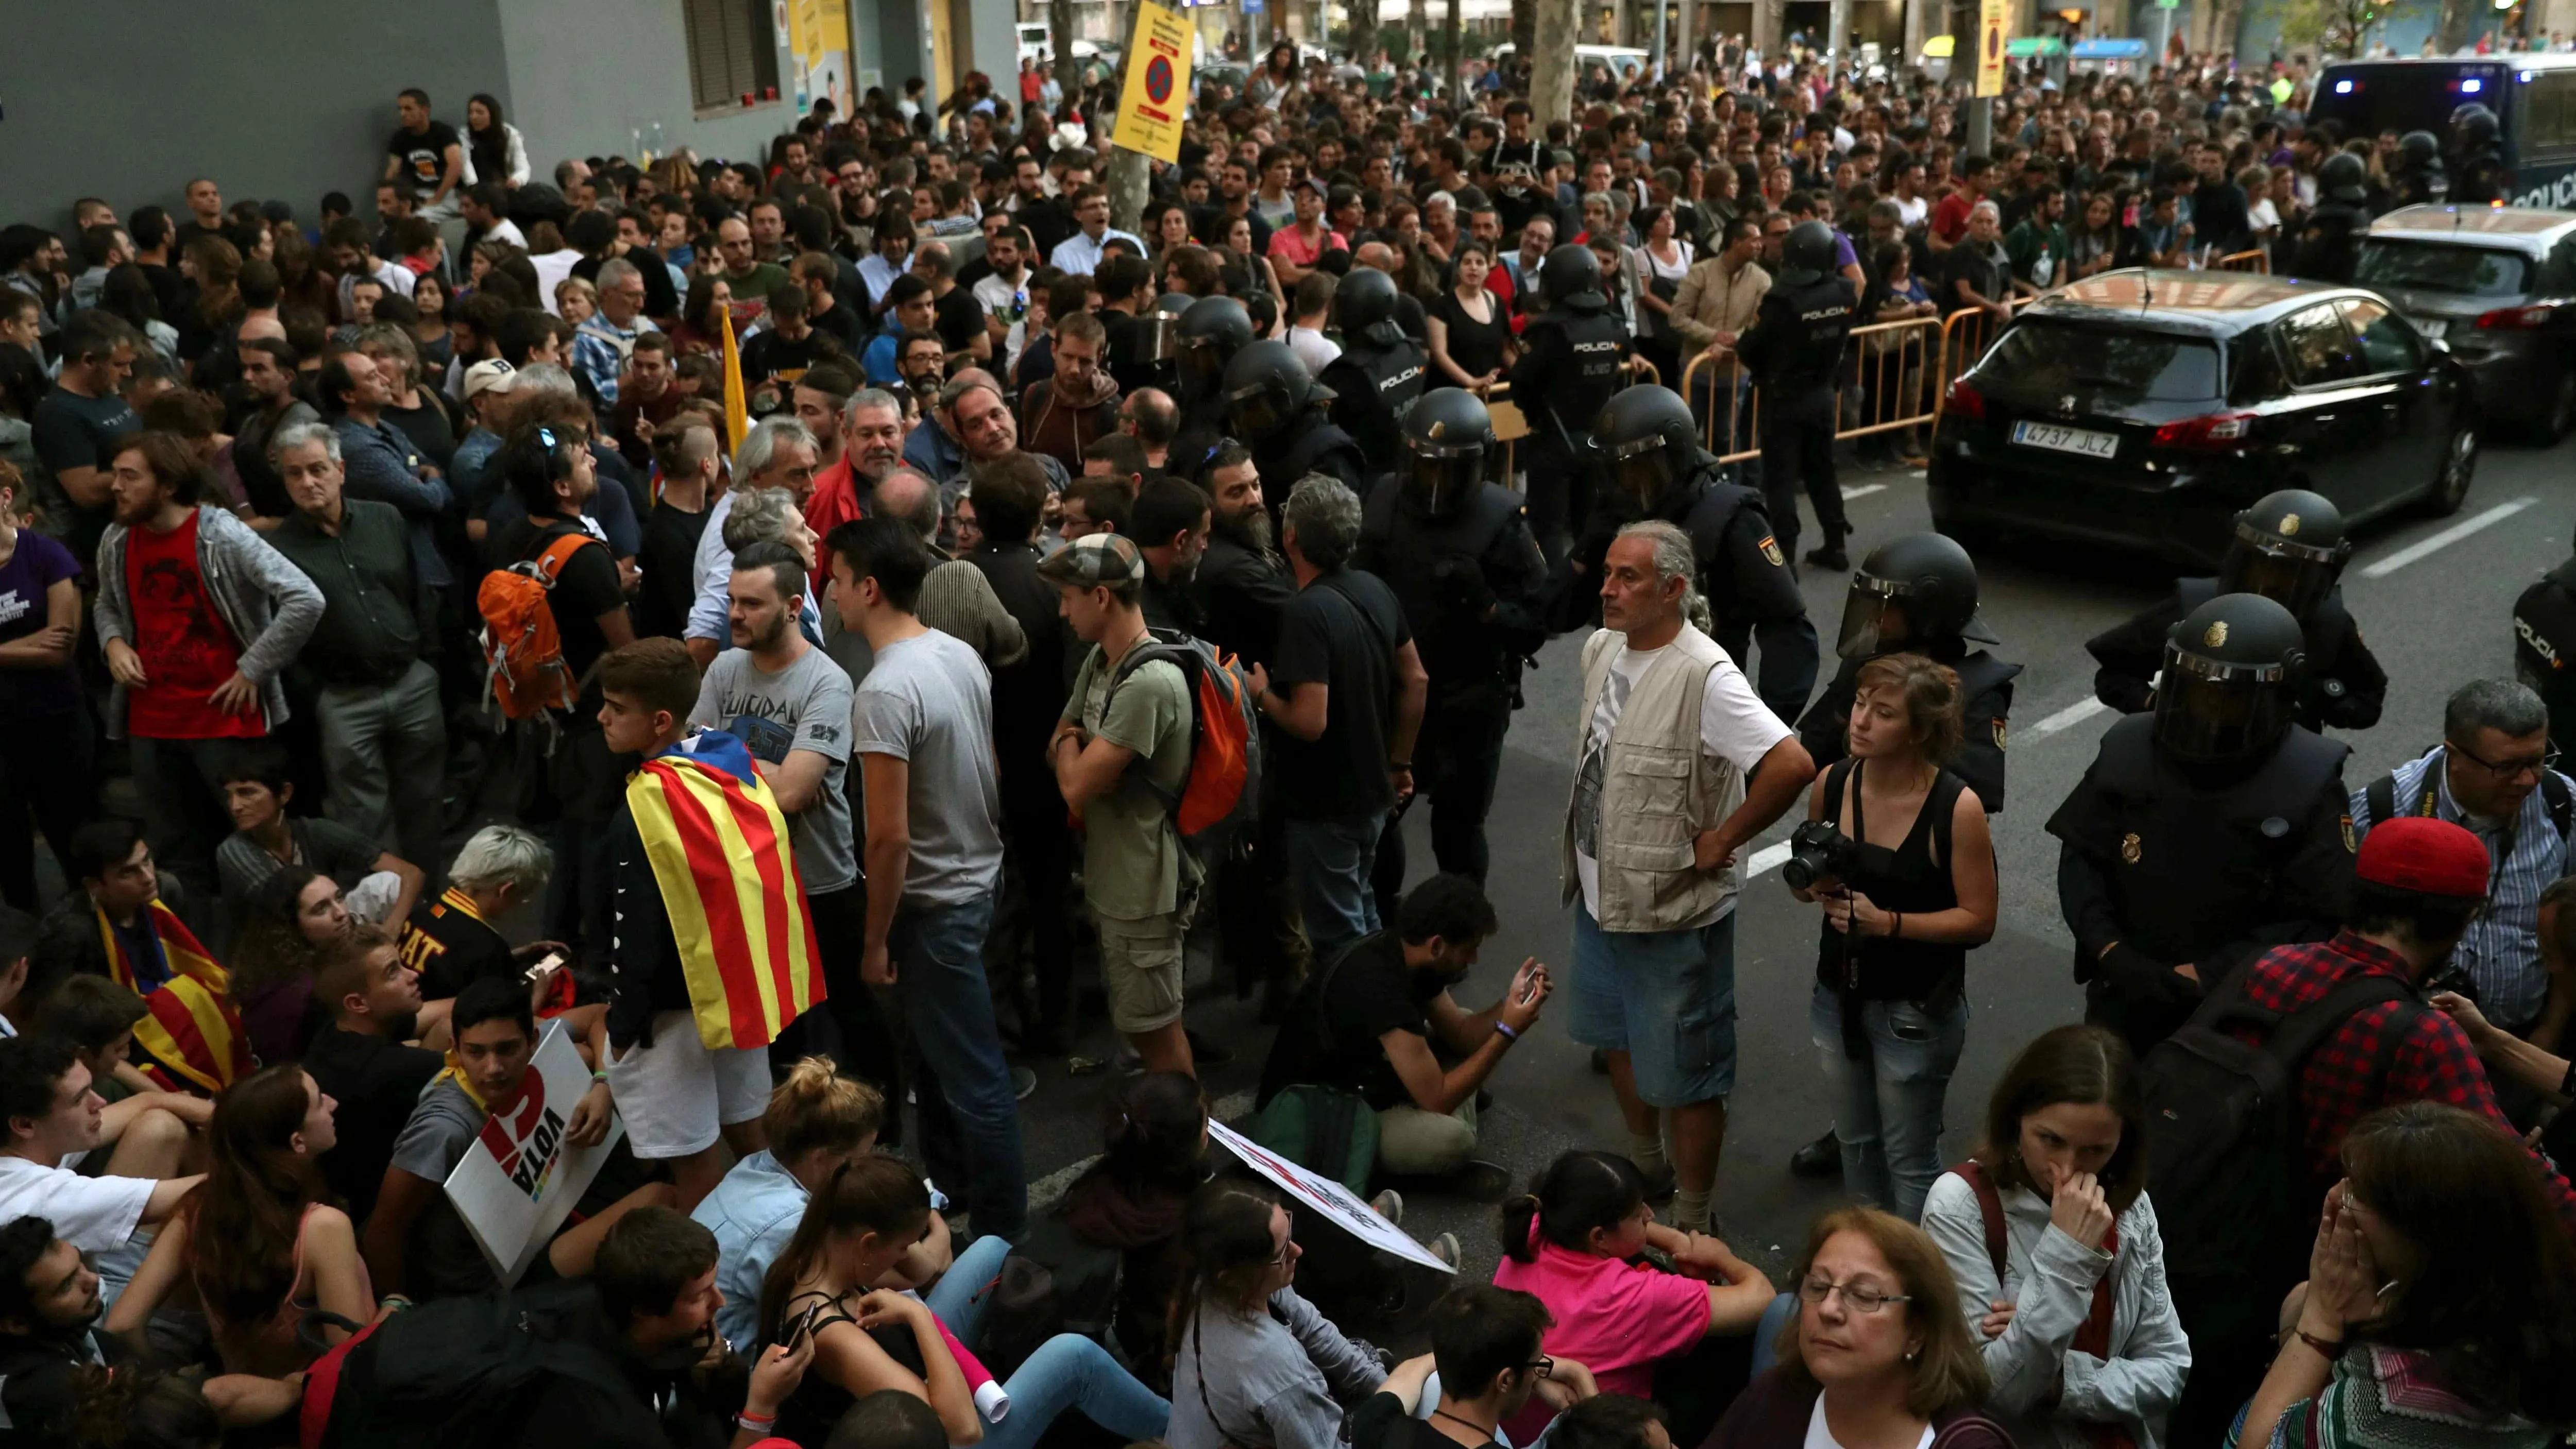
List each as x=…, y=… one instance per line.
x=1910, y=879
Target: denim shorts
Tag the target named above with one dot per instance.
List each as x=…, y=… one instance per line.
x=1667, y=998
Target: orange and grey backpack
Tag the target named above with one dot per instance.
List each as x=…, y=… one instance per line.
x=524, y=671
x=1223, y=791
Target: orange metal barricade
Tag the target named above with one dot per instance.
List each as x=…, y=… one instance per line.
x=1965, y=336
x=2256, y=260
x=1892, y=359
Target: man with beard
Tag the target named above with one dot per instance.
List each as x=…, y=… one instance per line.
x=818, y=399
x=268, y=375
x=49, y=1309
x=372, y=993
x=1242, y=585
x=1169, y=523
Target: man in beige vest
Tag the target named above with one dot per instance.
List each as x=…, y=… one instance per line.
x=1672, y=733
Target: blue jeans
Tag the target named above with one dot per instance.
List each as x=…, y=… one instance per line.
x=1068, y=1370
x=969, y=1114
x=1887, y=1107
x=1332, y=860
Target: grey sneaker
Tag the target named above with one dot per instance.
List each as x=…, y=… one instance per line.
x=1445, y=1248
x=1023, y=1082
x=1390, y=1206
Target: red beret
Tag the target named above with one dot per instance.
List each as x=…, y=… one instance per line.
x=2435, y=857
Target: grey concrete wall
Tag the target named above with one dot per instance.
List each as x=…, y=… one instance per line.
x=129, y=99
x=585, y=75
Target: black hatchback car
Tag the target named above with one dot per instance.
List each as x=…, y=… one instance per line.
x=2141, y=409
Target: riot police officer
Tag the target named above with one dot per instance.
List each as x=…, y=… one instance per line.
x=2331, y=240
x=2478, y=174
x=1380, y=372
x=1573, y=356
x=1155, y=341
x=2544, y=647
x=1914, y=594
x=1276, y=407
x=2418, y=178
x=1211, y=331
x=1795, y=352
x=2289, y=547
x=1453, y=546
x=2206, y=831
x=1649, y=464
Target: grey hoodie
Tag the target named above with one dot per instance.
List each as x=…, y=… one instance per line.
x=267, y=603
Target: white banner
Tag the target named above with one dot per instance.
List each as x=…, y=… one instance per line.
x=1337, y=1203
x=518, y=1182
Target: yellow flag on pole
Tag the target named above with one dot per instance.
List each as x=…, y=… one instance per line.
x=737, y=403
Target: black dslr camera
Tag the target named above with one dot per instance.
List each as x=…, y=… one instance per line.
x=1818, y=851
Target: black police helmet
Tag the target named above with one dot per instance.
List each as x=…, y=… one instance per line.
x=1267, y=388
x=1646, y=443
x=1364, y=306
x=2228, y=670
x=1912, y=590
x=1447, y=435
x=2474, y=125
x=2289, y=547
x=1807, y=254
x=1571, y=277
x=2419, y=148
x=2342, y=177
x=1211, y=331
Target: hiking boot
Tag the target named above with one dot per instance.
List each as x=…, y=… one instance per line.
x=1820, y=1158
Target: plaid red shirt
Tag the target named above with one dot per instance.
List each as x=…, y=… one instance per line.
x=2431, y=1062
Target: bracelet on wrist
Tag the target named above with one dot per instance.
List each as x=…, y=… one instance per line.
x=2326, y=1348
x=1506, y=1029
x=755, y=1423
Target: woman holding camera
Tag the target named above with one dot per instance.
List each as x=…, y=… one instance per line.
x=1895, y=850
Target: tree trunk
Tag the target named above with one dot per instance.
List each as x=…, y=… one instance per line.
x=1766, y=27
x=1551, y=55
x=1456, y=31
x=1363, y=30
x=1525, y=38
x=1417, y=25
x=1127, y=182
x=2454, y=30
x=1068, y=74
x=1917, y=13
x=2230, y=16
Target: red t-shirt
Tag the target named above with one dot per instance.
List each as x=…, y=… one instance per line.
x=186, y=649
x=1950, y=217
x=1291, y=246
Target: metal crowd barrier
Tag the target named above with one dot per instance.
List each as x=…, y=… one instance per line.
x=2256, y=260
x=1893, y=389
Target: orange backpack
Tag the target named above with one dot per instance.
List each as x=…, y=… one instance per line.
x=524, y=668
x=1223, y=792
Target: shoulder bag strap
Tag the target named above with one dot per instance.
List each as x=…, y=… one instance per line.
x=1990, y=1206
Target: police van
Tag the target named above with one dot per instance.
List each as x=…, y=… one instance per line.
x=2533, y=97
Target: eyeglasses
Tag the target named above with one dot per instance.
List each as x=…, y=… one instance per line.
x=2511, y=769
x=1858, y=1297
x=1543, y=1366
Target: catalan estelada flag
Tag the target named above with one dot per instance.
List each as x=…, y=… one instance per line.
x=191, y=1034
x=720, y=852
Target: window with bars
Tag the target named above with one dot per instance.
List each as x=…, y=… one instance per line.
x=733, y=51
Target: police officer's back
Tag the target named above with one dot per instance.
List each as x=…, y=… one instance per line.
x=1454, y=548
x=1649, y=465
x=1917, y=594
x=1277, y=408
x=2290, y=547
x=1572, y=359
x=2544, y=647
x=2330, y=242
x=1380, y=371
x=2205, y=832
x=1209, y=333
x=2478, y=174
x=1794, y=351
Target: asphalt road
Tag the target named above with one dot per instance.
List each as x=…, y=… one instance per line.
x=2433, y=598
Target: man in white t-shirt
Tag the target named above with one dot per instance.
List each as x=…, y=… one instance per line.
x=1658, y=814
x=48, y=1114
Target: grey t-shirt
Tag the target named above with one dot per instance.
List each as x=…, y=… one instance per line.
x=929, y=702
x=805, y=706
x=443, y=1260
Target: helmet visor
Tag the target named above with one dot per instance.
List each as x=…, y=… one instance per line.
x=1260, y=411
x=2294, y=576
x=1641, y=470
x=2216, y=714
x=1202, y=370
x=1874, y=620
x=1155, y=337
x=1439, y=484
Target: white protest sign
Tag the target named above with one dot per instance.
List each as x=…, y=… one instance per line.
x=1336, y=1202
x=518, y=1182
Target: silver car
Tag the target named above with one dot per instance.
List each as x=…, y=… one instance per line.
x=2497, y=286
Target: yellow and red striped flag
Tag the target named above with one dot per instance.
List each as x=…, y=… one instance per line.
x=737, y=402
x=191, y=1033
x=720, y=852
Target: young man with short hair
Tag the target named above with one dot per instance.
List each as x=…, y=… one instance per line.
x=360, y=1059
x=50, y=1306
x=80, y=422
x=922, y=725
x=1121, y=755
x=50, y=1117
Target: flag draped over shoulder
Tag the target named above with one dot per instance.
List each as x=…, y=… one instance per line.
x=190, y=1032
x=719, y=847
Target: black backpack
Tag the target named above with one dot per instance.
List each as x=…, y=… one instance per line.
x=2223, y=1130
x=1052, y=1282
x=464, y=1371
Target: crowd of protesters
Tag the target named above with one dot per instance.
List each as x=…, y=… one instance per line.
x=304, y=865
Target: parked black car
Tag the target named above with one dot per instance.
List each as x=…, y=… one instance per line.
x=2140, y=410
x=2497, y=284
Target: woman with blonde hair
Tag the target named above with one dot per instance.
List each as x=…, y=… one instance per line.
x=1878, y=1353
x=817, y=1120
x=1916, y=889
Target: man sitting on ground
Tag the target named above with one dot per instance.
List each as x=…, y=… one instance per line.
x=49, y=1116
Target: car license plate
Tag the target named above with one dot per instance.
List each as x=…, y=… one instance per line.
x=2433, y=326
x=2082, y=441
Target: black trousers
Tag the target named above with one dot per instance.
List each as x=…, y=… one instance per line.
x=867, y=1047
x=1798, y=446
x=59, y=788
x=1456, y=759
x=1042, y=857
x=1560, y=495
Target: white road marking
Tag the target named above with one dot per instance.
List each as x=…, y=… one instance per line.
x=2446, y=537
x=1863, y=491
x=1767, y=859
x=2066, y=719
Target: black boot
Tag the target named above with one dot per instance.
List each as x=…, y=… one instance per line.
x=1829, y=554
x=1820, y=1158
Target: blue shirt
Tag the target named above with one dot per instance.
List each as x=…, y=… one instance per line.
x=1079, y=256
x=2501, y=951
x=753, y=1212
x=379, y=463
